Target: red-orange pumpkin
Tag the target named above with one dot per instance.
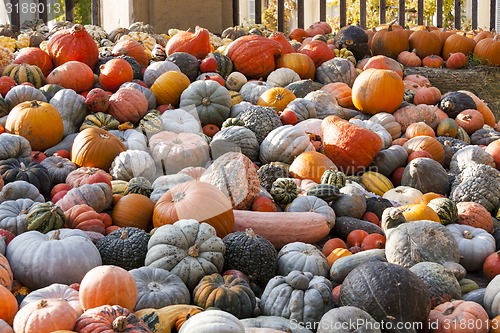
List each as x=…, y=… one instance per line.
x=254, y=55
x=341, y=92
x=196, y=44
x=456, y=60
x=409, y=59
x=475, y=215
x=8, y=305
x=35, y=56
x=494, y=150
x=84, y=175
x=491, y=265
x=131, y=48
x=65, y=75
x=318, y=51
x=427, y=95
x=433, y=61
x=383, y=62
x=470, y=120
x=73, y=44
x=128, y=104
x=114, y=73
x=286, y=47
x=445, y=318
x=350, y=147
x=133, y=210
x=428, y=144
x=85, y=218
x=298, y=34
x=209, y=203
x=481, y=106
x=311, y=165
x=97, y=100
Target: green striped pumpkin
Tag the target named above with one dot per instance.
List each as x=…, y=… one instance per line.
x=284, y=190
x=446, y=210
x=224, y=64
x=45, y=217
x=333, y=177
x=151, y=123
x=22, y=73
x=101, y=120
x=139, y=185
x=326, y=192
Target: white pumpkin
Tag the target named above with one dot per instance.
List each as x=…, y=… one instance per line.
x=213, y=321
x=311, y=125
x=404, y=195
x=283, y=144
x=132, y=139
x=133, y=163
x=282, y=77
x=173, y=152
x=156, y=69
x=180, y=121
x=377, y=128
x=389, y=122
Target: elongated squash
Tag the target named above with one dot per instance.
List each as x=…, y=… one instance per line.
x=376, y=182
x=165, y=319
x=343, y=266
x=281, y=228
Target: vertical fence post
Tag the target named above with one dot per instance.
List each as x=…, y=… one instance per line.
x=420, y=12
x=492, y=14
x=457, y=14
x=43, y=10
x=15, y=14
x=236, y=12
x=474, y=14
x=258, y=11
x=300, y=14
x=322, y=10
x=362, y=13
x=402, y=13
x=382, y=14
x=343, y=13
x=70, y=10
x=281, y=15
x=439, y=13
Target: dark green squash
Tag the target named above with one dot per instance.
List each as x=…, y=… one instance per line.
x=45, y=217
x=187, y=63
x=34, y=173
x=468, y=285
x=303, y=87
x=446, y=210
x=333, y=177
x=496, y=235
x=268, y=173
x=224, y=64
x=384, y=290
x=455, y=102
x=124, y=247
x=344, y=265
x=4, y=107
x=101, y=120
x=49, y=90
x=354, y=39
x=326, y=192
x=228, y=293
x=484, y=136
x=284, y=190
x=139, y=185
x=426, y=175
x=251, y=254
x=345, y=224
x=377, y=205
x=151, y=123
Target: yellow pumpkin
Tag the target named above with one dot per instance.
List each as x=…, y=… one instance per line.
x=376, y=182
x=302, y=64
x=337, y=254
x=417, y=212
x=277, y=98
x=169, y=86
x=39, y=122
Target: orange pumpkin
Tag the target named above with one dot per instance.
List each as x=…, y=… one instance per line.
x=95, y=147
x=341, y=92
x=73, y=44
x=470, y=120
x=426, y=43
x=8, y=305
x=443, y=34
x=108, y=285
x=131, y=48
x=489, y=117
x=428, y=144
x=285, y=44
x=318, y=51
x=475, y=215
x=133, y=210
x=446, y=317
x=276, y=98
x=409, y=59
x=45, y=316
x=373, y=83
x=427, y=197
x=427, y=95
x=383, y=62
x=114, y=73
x=39, y=122
x=169, y=86
x=456, y=60
x=298, y=34
x=389, y=42
x=350, y=147
x=458, y=43
x=84, y=217
x=417, y=212
x=64, y=75
x=337, y=254
x=196, y=44
x=35, y=56
x=5, y=273
x=298, y=62
x=356, y=237
x=433, y=61
x=373, y=241
x=254, y=55
x=488, y=51
x=494, y=150
x=332, y=244
x=410, y=114
x=195, y=200
x=311, y=165
x=419, y=129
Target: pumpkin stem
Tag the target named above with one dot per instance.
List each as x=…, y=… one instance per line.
x=449, y=311
x=467, y=234
x=78, y=27
x=35, y=104
x=56, y=235
x=23, y=166
x=205, y=101
x=178, y=196
x=250, y=232
x=43, y=303
x=120, y=323
x=193, y=251
x=104, y=136
x=124, y=234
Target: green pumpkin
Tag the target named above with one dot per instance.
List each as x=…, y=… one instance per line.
x=446, y=210
x=45, y=217
x=101, y=120
x=284, y=190
x=224, y=64
x=22, y=73
x=151, y=123
x=326, y=192
x=49, y=90
x=139, y=185
x=233, y=122
x=333, y=177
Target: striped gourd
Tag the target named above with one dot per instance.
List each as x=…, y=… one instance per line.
x=326, y=192
x=333, y=177
x=446, y=210
x=22, y=73
x=139, y=185
x=284, y=190
x=376, y=182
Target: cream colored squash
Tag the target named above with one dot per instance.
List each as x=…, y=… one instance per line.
x=180, y=121
x=283, y=144
x=133, y=163
x=389, y=122
x=132, y=139
x=404, y=195
x=213, y=321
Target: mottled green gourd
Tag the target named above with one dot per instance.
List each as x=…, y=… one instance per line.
x=284, y=190
x=151, y=123
x=139, y=185
x=326, y=192
x=233, y=122
x=446, y=210
x=45, y=217
x=333, y=177
x=101, y=120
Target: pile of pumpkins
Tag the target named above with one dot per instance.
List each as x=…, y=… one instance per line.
x=189, y=183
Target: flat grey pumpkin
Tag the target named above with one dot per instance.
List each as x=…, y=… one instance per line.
x=72, y=108
x=14, y=146
x=299, y=256
x=133, y=163
x=235, y=138
x=13, y=215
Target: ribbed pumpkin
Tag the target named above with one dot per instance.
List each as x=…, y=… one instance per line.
x=25, y=73
x=110, y=318
x=254, y=55
x=446, y=209
x=417, y=212
x=458, y=43
x=373, y=83
x=488, y=51
x=389, y=42
x=85, y=218
x=341, y=92
x=131, y=48
x=298, y=62
x=474, y=215
x=73, y=44
x=64, y=75
x=428, y=144
x=350, y=147
x=95, y=147
x=45, y=316
x=212, y=206
x=311, y=165
x=39, y=122
x=169, y=86
x=45, y=217
x=276, y=98
x=337, y=254
x=376, y=182
x=426, y=43
x=128, y=104
x=108, y=285
x=133, y=210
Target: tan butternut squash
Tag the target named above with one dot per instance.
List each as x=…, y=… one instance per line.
x=281, y=228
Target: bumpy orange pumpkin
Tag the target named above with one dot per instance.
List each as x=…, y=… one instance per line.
x=73, y=44
x=254, y=55
x=108, y=285
x=300, y=63
x=446, y=317
x=350, y=147
x=169, y=86
x=371, y=84
x=39, y=122
x=197, y=43
x=475, y=215
x=95, y=147
x=196, y=200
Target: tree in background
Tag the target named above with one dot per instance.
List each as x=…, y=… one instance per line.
x=82, y=13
